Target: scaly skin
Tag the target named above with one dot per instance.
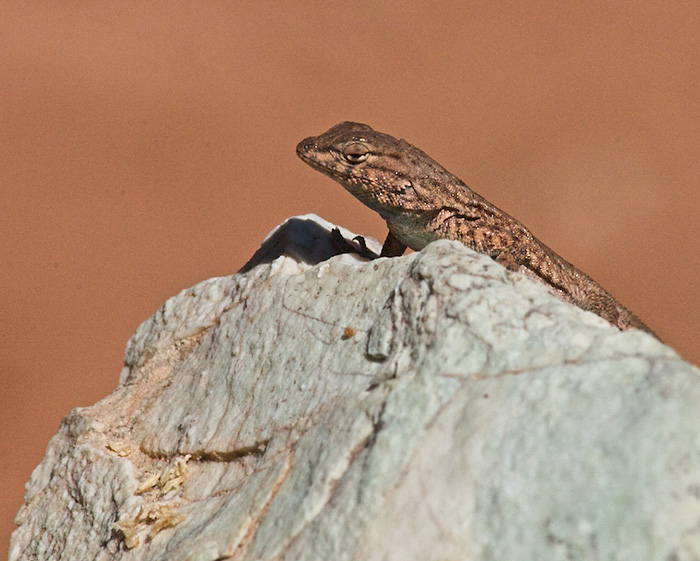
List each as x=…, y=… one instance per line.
x=422, y=202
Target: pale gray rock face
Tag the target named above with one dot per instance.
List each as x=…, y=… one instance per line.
x=434, y=406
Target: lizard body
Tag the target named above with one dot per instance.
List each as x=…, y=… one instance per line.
x=422, y=202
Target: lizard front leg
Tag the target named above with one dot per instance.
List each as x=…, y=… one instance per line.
x=392, y=247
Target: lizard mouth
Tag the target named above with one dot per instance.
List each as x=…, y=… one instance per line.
x=305, y=145
x=309, y=153
x=304, y=150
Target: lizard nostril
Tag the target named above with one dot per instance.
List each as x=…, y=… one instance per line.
x=305, y=145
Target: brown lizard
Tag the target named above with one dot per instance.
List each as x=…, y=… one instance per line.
x=422, y=202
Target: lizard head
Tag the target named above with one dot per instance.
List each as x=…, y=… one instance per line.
x=383, y=172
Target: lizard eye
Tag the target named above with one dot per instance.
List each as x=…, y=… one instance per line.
x=355, y=153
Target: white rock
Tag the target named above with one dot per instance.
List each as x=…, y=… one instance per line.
x=434, y=406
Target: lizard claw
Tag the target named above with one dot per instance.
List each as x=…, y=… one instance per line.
x=341, y=245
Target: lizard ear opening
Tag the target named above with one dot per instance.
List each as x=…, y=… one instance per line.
x=355, y=153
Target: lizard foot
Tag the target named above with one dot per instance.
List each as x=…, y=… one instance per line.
x=341, y=245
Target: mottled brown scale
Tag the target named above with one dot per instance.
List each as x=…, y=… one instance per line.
x=422, y=202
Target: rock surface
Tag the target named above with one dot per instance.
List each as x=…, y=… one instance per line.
x=434, y=406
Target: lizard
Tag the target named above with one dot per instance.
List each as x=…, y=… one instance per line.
x=422, y=202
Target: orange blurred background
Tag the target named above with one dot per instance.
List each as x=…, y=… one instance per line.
x=146, y=147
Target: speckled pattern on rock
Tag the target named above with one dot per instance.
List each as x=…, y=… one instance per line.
x=432, y=406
